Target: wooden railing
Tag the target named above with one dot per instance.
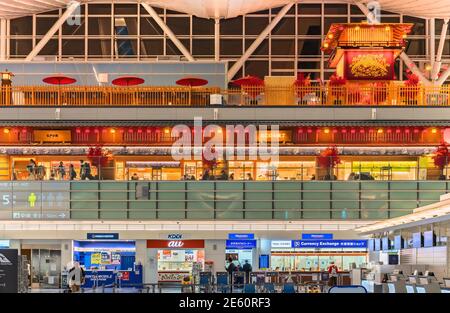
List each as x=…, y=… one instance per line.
x=349, y=95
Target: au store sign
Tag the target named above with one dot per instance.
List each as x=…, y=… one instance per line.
x=323, y=244
x=175, y=244
x=240, y=244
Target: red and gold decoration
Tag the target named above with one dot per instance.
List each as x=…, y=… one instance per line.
x=441, y=158
x=367, y=52
x=329, y=158
x=98, y=156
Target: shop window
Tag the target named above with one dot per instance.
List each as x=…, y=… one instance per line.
x=43, y=24
x=20, y=47
x=51, y=48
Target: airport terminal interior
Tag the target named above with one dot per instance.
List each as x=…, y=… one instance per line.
x=232, y=146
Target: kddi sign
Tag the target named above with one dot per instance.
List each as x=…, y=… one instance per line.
x=175, y=236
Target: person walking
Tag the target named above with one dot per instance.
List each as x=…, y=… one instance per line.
x=76, y=277
x=61, y=171
x=333, y=274
x=72, y=172
x=247, y=268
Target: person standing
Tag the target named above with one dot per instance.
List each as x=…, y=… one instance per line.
x=231, y=268
x=82, y=170
x=333, y=274
x=247, y=268
x=76, y=277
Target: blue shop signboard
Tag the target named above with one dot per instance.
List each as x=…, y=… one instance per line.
x=323, y=244
x=241, y=236
x=98, y=236
x=240, y=244
x=317, y=236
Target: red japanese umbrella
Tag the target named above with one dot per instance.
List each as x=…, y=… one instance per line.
x=128, y=81
x=248, y=84
x=191, y=82
x=59, y=80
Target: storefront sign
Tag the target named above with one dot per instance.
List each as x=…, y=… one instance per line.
x=97, y=236
x=240, y=244
x=4, y=244
x=321, y=244
x=8, y=270
x=317, y=236
x=281, y=244
x=52, y=136
x=176, y=244
x=175, y=236
x=241, y=236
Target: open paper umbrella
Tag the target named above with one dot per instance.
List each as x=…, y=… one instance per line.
x=128, y=81
x=59, y=80
x=191, y=82
x=248, y=84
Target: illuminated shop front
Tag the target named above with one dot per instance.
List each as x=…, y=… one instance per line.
x=177, y=259
x=317, y=255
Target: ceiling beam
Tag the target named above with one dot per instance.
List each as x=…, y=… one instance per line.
x=239, y=63
x=41, y=44
x=168, y=31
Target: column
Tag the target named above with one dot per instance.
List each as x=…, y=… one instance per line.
x=3, y=38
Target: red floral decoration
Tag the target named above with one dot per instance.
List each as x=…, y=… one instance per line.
x=412, y=80
x=337, y=81
x=98, y=156
x=441, y=156
x=329, y=158
x=300, y=84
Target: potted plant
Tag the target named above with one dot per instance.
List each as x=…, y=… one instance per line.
x=328, y=159
x=441, y=159
x=336, y=88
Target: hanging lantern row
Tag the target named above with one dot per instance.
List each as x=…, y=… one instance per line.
x=353, y=130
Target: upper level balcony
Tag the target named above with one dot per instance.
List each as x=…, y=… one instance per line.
x=386, y=95
x=215, y=200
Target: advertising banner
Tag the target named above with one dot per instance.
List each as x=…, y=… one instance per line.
x=316, y=236
x=8, y=271
x=321, y=244
x=241, y=236
x=240, y=244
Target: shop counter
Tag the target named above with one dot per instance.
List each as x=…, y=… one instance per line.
x=172, y=276
x=301, y=277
